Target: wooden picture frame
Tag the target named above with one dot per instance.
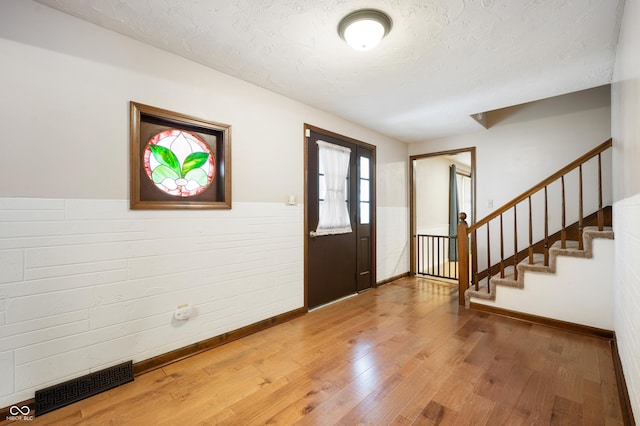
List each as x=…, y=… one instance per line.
x=178, y=161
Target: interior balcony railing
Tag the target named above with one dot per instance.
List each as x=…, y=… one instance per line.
x=437, y=256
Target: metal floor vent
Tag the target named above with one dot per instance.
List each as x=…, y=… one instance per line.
x=57, y=396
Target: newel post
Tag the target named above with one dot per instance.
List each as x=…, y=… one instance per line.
x=463, y=258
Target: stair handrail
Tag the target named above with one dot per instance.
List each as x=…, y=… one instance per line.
x=464, y=230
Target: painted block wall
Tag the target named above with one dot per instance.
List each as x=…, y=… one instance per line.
x=84, y=281
x=90, y=283
x=626, y=208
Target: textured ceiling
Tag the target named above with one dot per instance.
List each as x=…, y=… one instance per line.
x=443, y=61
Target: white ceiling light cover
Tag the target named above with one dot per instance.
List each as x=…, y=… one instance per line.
x=364, y=29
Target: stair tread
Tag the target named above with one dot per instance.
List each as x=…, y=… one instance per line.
x=595, y=228
x=569, y=244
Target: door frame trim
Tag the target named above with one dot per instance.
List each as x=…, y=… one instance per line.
x=412, y=200
x=372, y=148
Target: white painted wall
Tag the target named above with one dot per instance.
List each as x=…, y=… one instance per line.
x=626, y=207
x=538, y=138
x=524, y=145
x=70, y=85
x=580, y=291
x=432, y=195
x=85, y=282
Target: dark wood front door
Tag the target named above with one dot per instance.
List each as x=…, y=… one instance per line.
x=340, y=265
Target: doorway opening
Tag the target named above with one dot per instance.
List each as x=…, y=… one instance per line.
x=442, y=186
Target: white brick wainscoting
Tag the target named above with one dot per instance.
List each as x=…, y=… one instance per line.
x=85, y=284
x=627, y=305
x=393, y=242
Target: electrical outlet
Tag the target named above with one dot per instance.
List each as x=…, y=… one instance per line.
x=183, y=313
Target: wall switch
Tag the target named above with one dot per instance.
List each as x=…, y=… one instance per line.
x=490, y=203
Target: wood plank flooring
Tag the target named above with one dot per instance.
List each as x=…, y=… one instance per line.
x=401, y=354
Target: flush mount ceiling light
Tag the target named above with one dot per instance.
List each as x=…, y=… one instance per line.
x=364, y=29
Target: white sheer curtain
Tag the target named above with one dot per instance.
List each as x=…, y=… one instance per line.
x=334, y=164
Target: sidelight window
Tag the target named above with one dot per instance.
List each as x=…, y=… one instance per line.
x=365, y=191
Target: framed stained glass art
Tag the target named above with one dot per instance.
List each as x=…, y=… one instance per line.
x=178, y=161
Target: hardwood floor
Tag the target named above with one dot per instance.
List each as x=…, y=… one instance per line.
x=401, y=354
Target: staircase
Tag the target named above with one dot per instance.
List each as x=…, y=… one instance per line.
x=578, y=291
x=541, y=258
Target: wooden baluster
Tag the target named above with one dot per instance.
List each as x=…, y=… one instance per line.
x=580, y=224
x=501, y=249
x=515, y=242
x=530, y=233
x=474, y=258
x=488, y=256
x=563, y=231
x=463, y=259
x=546, y=229
x=600, y=210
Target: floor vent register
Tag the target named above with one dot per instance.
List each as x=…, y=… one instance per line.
x=60, y=395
